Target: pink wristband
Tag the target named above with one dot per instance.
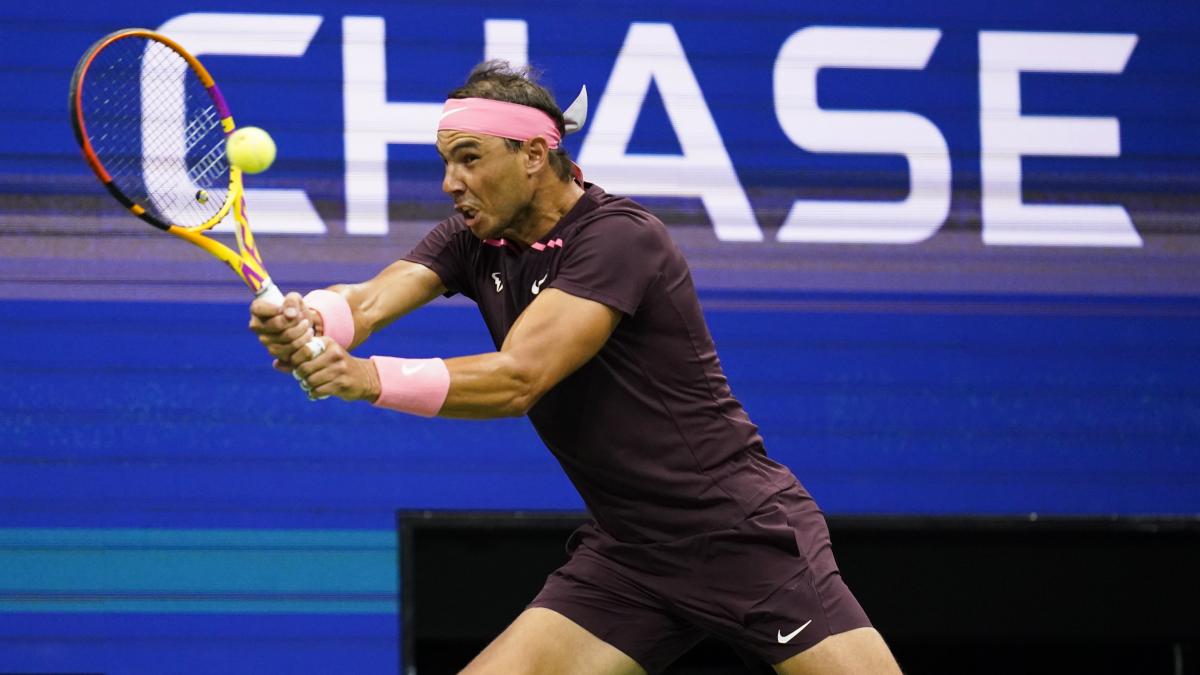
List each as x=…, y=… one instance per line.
x=415, y=386
x=336, y=317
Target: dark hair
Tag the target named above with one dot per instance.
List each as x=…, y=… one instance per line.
x=499, y=81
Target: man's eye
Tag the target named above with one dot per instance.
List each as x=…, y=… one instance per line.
x=470, y=159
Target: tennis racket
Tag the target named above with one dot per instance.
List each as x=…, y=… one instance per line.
x=152, y=125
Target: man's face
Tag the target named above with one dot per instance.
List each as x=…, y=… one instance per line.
x=486, y=180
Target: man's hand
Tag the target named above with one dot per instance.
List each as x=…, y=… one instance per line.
x=336, y=373
x=285, y=329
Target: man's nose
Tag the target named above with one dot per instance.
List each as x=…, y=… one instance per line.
x=451, y=183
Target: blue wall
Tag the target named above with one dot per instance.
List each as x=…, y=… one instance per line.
x=169, y=415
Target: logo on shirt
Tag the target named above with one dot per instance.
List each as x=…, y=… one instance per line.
x=537, y=285
x=499, y=282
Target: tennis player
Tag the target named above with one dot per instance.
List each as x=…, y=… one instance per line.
x=601, y=341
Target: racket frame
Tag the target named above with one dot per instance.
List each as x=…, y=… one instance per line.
x=246, y=262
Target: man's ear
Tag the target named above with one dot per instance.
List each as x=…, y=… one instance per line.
x=537, y=155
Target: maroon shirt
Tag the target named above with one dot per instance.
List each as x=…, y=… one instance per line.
x=647, y=430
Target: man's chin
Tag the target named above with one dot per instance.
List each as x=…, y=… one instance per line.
x=484, y=231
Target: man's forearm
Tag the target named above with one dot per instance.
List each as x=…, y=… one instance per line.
x=397, y=290
x=486, y=386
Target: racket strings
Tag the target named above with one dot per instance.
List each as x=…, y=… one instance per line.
x=110, y=115
x=184, y=142
x=199, y=125
x=154, y=127
x=212, y=165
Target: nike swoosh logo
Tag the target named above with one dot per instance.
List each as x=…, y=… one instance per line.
x=784, y=639
x=411, y=369
x=451, y=112
x=537, y=285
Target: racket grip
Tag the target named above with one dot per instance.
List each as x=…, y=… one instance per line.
x=316, y=347
x=271, y=293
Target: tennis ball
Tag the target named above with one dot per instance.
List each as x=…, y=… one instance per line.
x=250, y=149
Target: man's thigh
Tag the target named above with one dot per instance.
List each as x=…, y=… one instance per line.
x=857, y=652
x=613, y=604
x=544, y=641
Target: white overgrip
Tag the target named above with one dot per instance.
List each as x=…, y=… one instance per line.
x=271, y=294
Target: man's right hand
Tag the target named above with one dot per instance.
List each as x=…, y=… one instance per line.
x=283, y=329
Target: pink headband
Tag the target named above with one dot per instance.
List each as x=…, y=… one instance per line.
x=498, y=118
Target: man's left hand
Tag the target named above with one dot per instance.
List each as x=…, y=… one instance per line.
x=336, y=373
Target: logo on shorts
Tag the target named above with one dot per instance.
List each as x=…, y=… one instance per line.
x=784, y=639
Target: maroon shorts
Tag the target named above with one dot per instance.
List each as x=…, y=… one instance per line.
x=769, y=587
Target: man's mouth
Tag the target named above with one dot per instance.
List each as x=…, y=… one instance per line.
x=469, y=214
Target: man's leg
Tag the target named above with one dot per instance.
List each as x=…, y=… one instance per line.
x=542, y=641
x=861, y=651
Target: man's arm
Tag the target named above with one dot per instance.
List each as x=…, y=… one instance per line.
x=553, y=337
x=400, y=288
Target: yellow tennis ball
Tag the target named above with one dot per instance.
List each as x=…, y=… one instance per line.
x=250, y=149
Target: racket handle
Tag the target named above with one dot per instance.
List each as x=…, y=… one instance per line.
x=271, y=293
x=316, y=347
